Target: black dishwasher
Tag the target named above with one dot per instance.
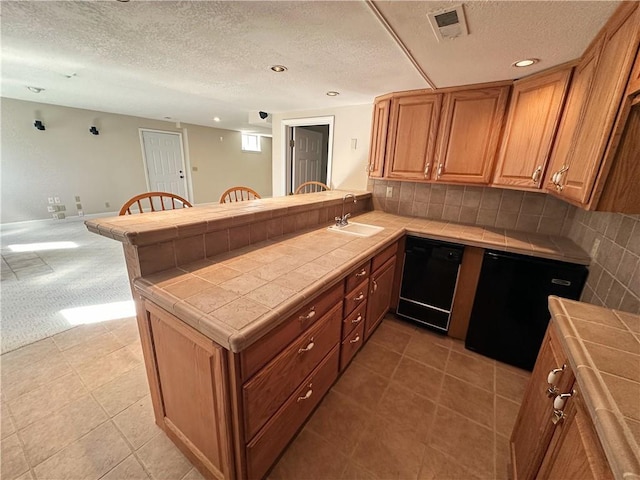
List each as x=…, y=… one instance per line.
x=510, y=312
x=429, y=278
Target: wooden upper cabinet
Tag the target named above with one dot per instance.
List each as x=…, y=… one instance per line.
x=532, y=121
x=469, y=134
x=412, y=136
x=378, y=145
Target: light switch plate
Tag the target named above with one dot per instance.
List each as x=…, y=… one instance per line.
x=389, y=192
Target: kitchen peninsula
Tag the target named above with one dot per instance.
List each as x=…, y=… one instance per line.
x=236, y=362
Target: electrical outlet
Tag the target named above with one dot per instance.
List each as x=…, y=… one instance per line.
x=389, y=192
x=77, y=198
x=56, y=199
x=594, y=248
x=51, y=209
x=194, y=169
x=51, y=200
x=80, y=213
x=62, y=208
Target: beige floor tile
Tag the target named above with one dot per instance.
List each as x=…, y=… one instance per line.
x=388, y=451
x=117, y=323
x=44, y=438
x=103, y=370
x=129, y=469
x=97, y=347
x=13, y=462
x=392, y=338
x=136, y=349
x=310, y=457
x=340, y=420
x=193, y=474
x=473, y=443
x=123, y=391
x=378, y=358
x=398, y=323
x=407, y=411
x=7, y=426
x=503, y=457
x=28, y=355
x=162, y=459
x=510, y=384
x=26, y=476
x=468, y=400
x=425, y=351
x=506, y=414
x=32, y=376
x=361, y=385
x=90, y=457
x=47, y=400
x=78, y=335
x=356, y=472
x=440, y=466
x=127, y=333
x=473, y=369
x=137, y=422
x=433, y=337
x=419, y=378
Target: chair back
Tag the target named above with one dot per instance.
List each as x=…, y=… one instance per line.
x=154, y=202
x=311, y=187
x=238, y=194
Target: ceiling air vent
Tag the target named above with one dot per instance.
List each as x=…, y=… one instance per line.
x=448, y=23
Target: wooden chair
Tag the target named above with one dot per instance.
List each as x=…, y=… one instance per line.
x=238, y=194
x=311, y=187
x=156, y=201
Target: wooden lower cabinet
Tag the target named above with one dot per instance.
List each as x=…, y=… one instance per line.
x=568, y=449
x=233, y=414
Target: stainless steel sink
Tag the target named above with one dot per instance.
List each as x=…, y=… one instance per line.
x=358, y=229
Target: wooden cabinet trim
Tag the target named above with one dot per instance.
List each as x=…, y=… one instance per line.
x=356, y=297
x=465, y=291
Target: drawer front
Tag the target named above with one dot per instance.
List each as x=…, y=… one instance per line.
x=265, y=448
x=356, y=297
x=354, y=320
x=383, y=256
x=357, y=276
x=265, y=393
x=351, y=345
x=257, y=355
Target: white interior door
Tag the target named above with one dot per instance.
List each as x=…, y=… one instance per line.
x=164, y=162
x=307, y=156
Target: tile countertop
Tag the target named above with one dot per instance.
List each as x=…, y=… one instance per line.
x=237, y=297
x=603, y=348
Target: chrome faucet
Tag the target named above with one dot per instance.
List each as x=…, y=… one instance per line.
x=342, y=221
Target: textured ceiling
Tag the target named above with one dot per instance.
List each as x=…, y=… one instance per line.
x=193, y=61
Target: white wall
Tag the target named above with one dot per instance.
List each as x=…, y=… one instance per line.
x=349, y=165
x=65, y=160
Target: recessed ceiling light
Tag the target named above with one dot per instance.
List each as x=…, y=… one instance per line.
x=216, y=119
x=333, y=94
x=279, y=68
x=526, y=63
x=35, y=89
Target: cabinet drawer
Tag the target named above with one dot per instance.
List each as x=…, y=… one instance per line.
x=354, y=320
x=357, y=276
x=258, y=354
x=270, y=387
x=356, y=297
x=263, y=450
x=351, y=345
x=383, y=256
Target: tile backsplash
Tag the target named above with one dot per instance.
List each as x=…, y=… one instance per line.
x=614, y=273
x=489, y=207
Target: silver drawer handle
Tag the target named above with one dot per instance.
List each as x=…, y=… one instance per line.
x=426, y=169
x=359, y=297
x=362, y=273
x=357, y=320
x=355, y=340
x=307, y=395
x=309, y=315
x=308, y=347
x=439, y=173
x=536, y=174
x=375, y=286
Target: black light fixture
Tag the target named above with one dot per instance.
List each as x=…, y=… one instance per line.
x=93, y=130
x=39, y=125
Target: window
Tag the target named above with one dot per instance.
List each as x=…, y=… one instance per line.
x=250, y=143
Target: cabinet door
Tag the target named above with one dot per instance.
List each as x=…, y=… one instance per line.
x=580, y=86
x=609, y=83
x=534, y=114
x=378, y=145
x=533, y=429
x=469, y=134
x=412, y=136
x=575, y=451
x=380, y=287
x=634, y=81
